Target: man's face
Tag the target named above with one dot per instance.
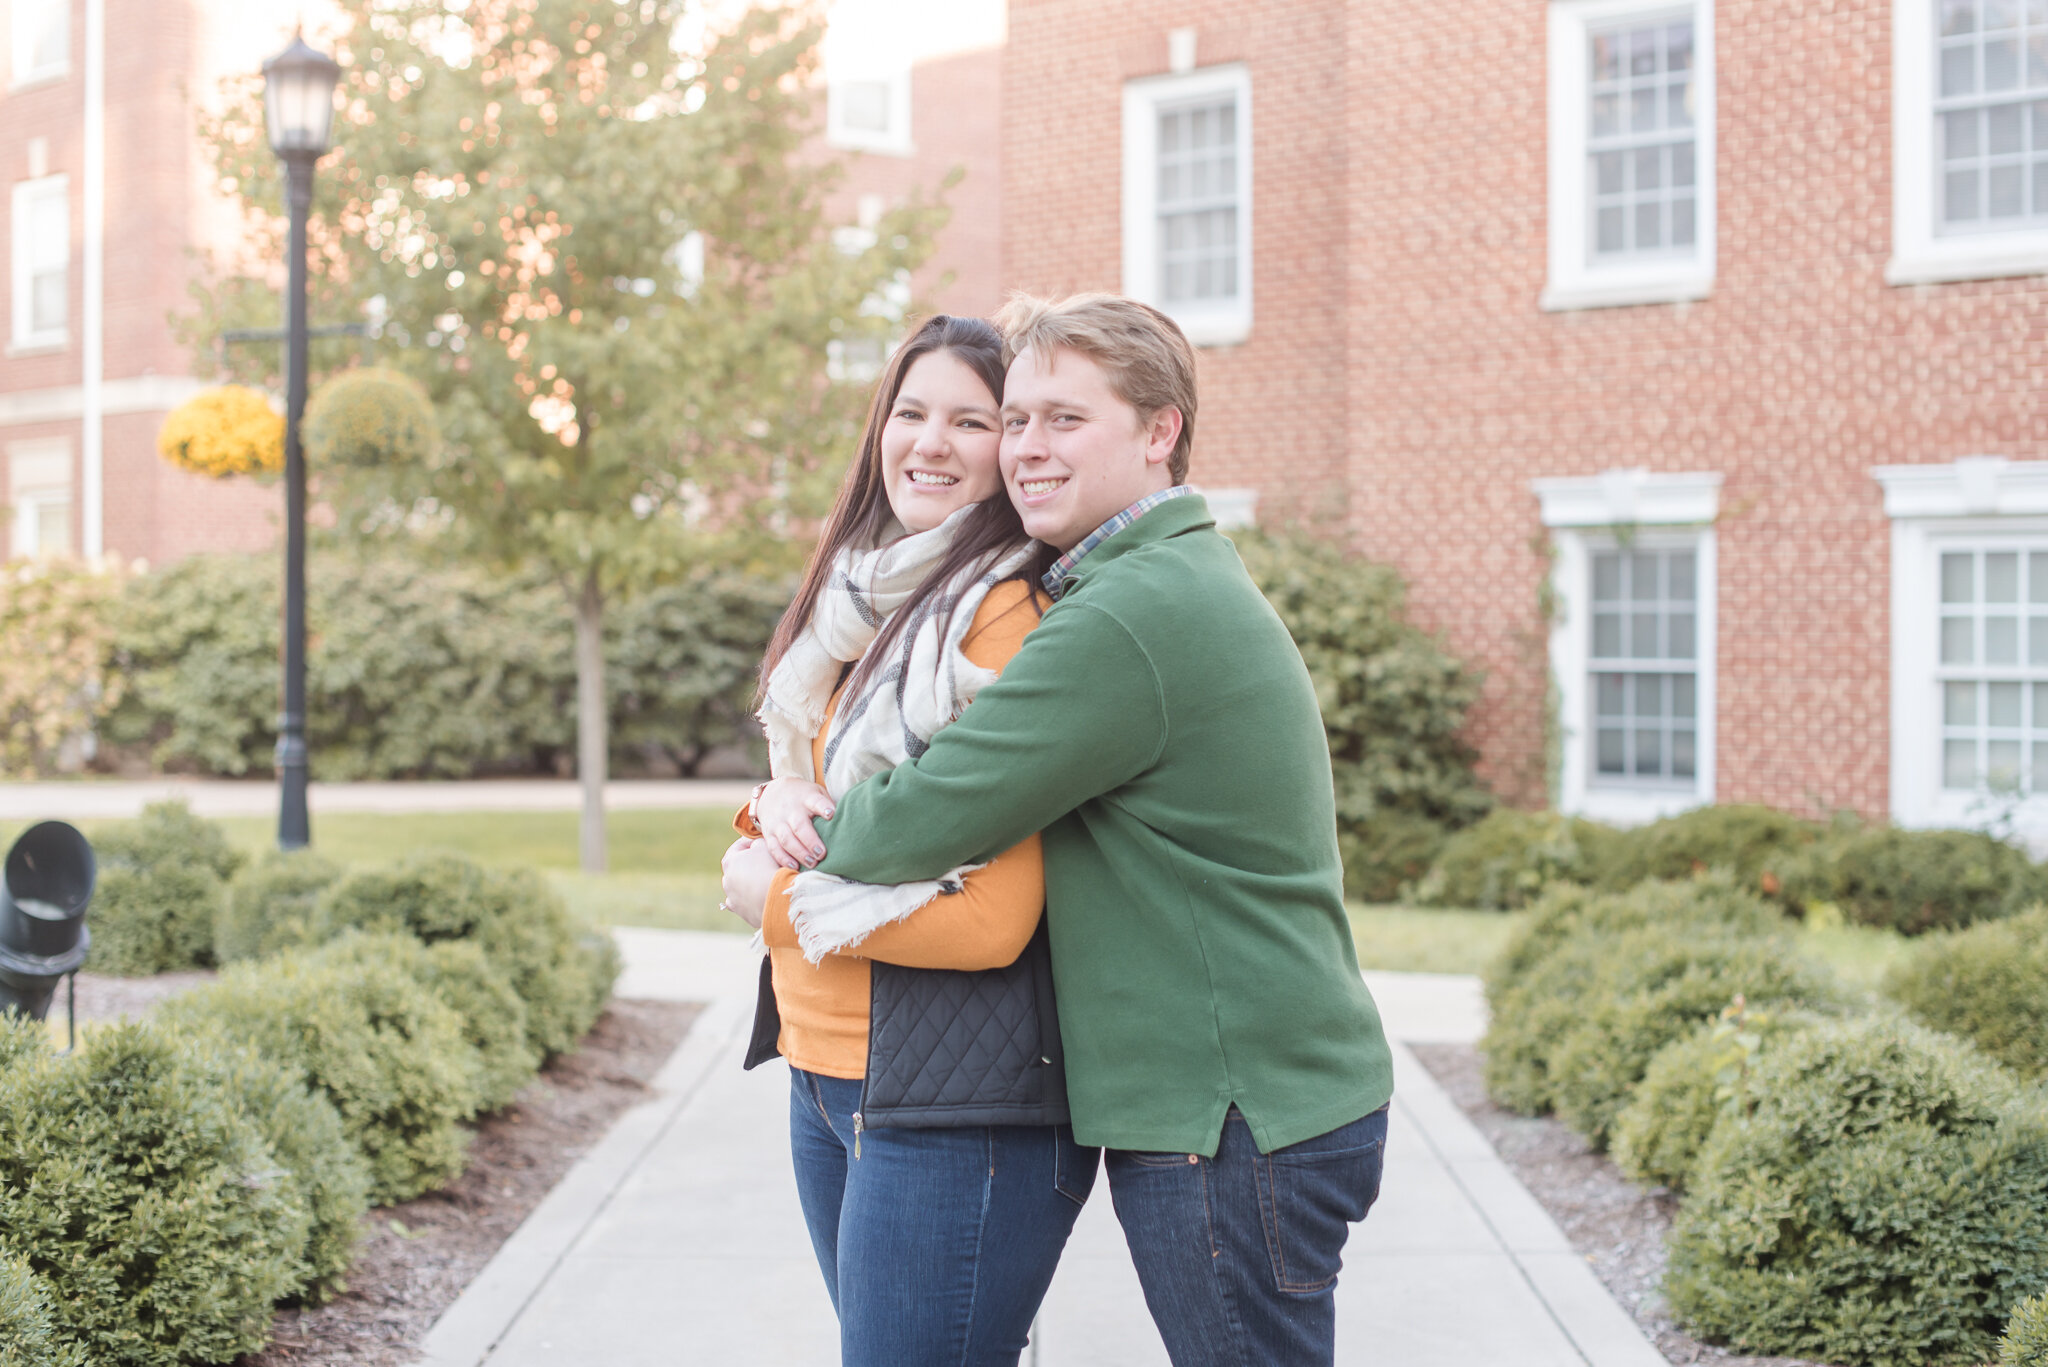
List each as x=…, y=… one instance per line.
x=1074, y=454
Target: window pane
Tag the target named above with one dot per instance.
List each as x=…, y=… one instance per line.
x=1607, y=577
x=2037, y=578
x=1681, y=636
x=2002, y=577
x=1959, y=134
x=1650, y=168
x=2037, y=60
x=1678, y=105
x=1959, y=704
x=1642, y=52
x=1606, y=115
x=1678, y=47
x=1642, y=636
x=2008, y=187
x=1649, y=225
x=1608, y=752
x=1682, y=761
x=1607, y=168
x=2002, y=704
x=1642, y=109
x=1682, y=165
x=1649, y=753
x=1684, y=702
x=1609, y=235
x=1959, y=196
x=1958, y=16
x=1958, y=577
x=2001, y=641
x=46, y=301
x=2040, y=764
x=2005, y=129
x=1644, y=583
x=1684, y=230
x=2041, y=706
x=1997, y=14
x=2002, y=64
x=2037, y=642
x=1607, y=635
x=1606, y=56
x=2041, y=188
x=1959, y=70
x=1959, y=764
x=1955, y=641
x=1610, y=695
x=2003, y=765
x=1649, y=696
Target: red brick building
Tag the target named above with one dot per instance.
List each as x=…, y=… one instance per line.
x=107, y=200
x=1691, y=359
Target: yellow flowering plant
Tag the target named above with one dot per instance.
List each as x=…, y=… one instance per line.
x=227, y=430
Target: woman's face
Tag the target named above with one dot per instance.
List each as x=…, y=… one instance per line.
x=941, y=443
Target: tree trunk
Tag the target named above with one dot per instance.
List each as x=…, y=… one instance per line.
x=591, y=740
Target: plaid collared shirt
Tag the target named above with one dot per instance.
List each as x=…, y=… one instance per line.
x=1055, y=579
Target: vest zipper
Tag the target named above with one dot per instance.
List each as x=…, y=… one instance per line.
x=856, y=1136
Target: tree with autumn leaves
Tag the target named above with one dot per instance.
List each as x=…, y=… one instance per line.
x=600, y=244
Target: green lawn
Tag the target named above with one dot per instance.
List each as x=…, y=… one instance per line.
x=1411, y=939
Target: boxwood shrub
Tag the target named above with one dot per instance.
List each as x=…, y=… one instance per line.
x=1690, y=1084
x=269, y=905
x=1744, y=839
x=1988, y=984
x=28, y=1321
x=1885, y=1203
x=1913, y=881
x=2026, y=1337
x=389, y=1054
x=1511, y=857
x=561, y=973
x=148, y=1202
x=160, y=890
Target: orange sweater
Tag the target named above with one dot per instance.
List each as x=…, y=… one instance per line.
x=824, y=1006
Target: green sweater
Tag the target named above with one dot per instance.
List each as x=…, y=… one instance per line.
x=1160, y=729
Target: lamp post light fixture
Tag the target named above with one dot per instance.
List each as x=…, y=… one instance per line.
x=298, y=107
x=45, y=887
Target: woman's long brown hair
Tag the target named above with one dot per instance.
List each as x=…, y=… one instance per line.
x=862, y=509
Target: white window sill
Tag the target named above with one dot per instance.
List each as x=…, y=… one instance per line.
x=1212, y=330
x=1637, y=806
x=1958, y=259
x=1570, y=295
x=874, y=146
x=47, y=76
x=48, y=344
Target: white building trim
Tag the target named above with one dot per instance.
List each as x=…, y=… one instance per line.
x=1575, y=282
x=93, y=290
x=140, y=394
x=1219, y=323
x=1654, y=511
x=1919, y=255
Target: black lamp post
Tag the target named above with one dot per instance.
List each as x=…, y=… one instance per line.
x=298, y=104
x=45, y=887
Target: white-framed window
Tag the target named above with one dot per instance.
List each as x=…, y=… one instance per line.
x=1969, y=643
x=39, y=495
x=40, y=225
x=39, y=36
x=1187, y=201
x=869, y=112
x=1631, y=153
x=1969, y=139
x=1632, y=643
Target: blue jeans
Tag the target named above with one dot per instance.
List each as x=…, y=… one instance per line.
x=936, y=1245
x=1238, y=1254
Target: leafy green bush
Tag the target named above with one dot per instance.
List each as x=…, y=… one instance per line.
x=147, y=1201
x=55, y=633
x=459, y=973
x=370, y=416
x=1394, y=702
x=2026, y=1338
x=1572, y=948
x=1988, y=984
x=306, y=1137
x=1743, y=838
x=682, y=662
x=28, y=1321
x=1507, y=860
x=390, y=1055
x=1690, y=1084
x=1913, y=881
x=1885, y=1203
x=561, y=974
x=159, y=892
x=269, y=905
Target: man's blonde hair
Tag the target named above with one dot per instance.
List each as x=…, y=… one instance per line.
x=1144, y=354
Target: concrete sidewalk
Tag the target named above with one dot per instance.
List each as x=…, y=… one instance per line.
x=102, y=799
x=678, y=1239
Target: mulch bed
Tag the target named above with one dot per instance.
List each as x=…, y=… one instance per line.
x=1618, y=1226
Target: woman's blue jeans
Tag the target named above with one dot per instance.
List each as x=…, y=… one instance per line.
x=937, y=1245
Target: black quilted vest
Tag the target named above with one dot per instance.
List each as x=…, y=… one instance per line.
x=949, y=1049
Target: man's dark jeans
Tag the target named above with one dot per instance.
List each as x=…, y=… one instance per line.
x=1239, y=1253
x=936, y=1245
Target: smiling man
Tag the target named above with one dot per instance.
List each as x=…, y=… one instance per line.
x=1161, y=730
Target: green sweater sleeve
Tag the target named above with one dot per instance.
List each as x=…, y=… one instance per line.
x=1076, y=713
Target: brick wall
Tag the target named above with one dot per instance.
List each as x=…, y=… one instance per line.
x=1397, y=351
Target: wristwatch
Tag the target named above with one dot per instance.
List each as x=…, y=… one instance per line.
x=754, y=804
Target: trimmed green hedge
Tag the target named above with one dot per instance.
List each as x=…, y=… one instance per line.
x=1690, y=1084
x=1884, y=1204
x=1512, y=857
x=1744, y=840
x=2026, y=1337
x=1913, y=881
x=159, y=892
x=561, y=973
x=1393, y=700
x=1988, y=984
x=28, y=1320
x=269, y=905
x=149, y=1202
x=392, y=1057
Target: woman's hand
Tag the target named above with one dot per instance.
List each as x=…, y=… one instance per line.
x=748, y=869
x=784, y=814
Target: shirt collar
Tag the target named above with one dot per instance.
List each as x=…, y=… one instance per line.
x=1055, y=579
